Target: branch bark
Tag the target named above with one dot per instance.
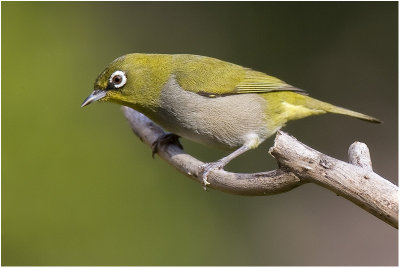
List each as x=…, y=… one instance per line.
x=298, y=164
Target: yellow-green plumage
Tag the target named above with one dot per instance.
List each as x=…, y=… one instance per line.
x=208, y=100
x=211, y=78
x=286, y=106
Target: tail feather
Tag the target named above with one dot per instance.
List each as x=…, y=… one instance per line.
x=340, y=110
x=320, y=105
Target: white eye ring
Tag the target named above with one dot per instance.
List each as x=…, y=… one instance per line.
x=118, y=79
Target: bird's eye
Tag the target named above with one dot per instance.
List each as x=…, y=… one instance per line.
x=118, y=79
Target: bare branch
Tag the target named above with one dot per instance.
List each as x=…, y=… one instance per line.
x=359, y=155
x=360, y=185
x=298, y=164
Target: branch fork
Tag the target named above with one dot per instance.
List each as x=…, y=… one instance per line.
x=298, y=164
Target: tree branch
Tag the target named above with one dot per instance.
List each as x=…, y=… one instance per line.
x=298, y=164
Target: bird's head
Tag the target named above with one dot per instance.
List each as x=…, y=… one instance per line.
x=133, y=80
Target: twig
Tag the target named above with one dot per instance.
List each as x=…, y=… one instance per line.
x=298, y=164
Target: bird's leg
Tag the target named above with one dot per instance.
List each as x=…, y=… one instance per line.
x=208, y=167
x=167, y=138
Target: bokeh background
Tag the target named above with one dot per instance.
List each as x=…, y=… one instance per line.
x=78, y=188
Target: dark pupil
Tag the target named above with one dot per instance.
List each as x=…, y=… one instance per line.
x=117, y=79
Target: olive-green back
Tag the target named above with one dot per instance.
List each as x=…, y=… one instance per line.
x=212, y=77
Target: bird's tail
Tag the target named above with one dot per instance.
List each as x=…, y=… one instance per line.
x=326, y=107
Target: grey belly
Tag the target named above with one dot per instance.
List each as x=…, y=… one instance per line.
x=224, y=122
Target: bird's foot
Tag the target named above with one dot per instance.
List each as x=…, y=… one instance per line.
x=168, y=138
x=206, y=169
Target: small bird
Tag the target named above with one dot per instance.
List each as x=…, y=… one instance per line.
x=206, y=100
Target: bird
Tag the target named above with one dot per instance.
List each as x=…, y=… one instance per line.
x=207, y=100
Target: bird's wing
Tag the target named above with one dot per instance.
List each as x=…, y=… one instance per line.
x=213, y=78
x=257, y=82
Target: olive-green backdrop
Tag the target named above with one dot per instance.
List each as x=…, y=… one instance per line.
x=78, y=188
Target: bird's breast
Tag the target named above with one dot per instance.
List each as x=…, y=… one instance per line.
x=225, y=122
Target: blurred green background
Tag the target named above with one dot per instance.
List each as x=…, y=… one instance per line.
x=78, y=188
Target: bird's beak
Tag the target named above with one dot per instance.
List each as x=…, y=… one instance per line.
x=96, y=95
